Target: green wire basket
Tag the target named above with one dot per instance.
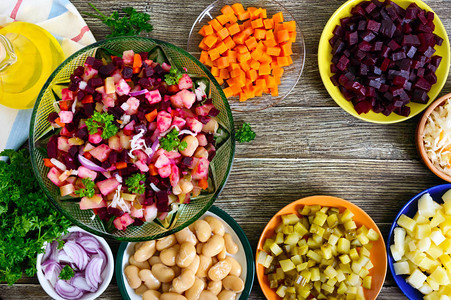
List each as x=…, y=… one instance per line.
x=41, y=130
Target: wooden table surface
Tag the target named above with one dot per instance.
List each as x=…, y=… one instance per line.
x=307, y=145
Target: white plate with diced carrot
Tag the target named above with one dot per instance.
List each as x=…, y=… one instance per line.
x=321, y=246
x=255, y=50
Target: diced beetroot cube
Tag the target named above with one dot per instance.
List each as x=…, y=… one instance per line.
x=389, y=109
x=383, y=88
x=362, y=107
x=358, y=10
x=368, y=36
x=370, y=7
x=377, y=46
x=365, y=46
x=385, y=64
x=374, y=83
x=393, y=45
x=423, y=84
x=420, y=96
x=107, y=186
x=352, y=37
x=338, y=46
x=398, y=55
x=387, y=28
x=411, y=12
x=406, y=28
x=122, y=222
x=363, y=70
x=398, y=80
x=435, y=60
x=343, y=63
x=438, y=40
x=338, y=30
x=429, y=52
x=362, y=25
x=431, y=77
x=373, y=26
x=385, y=51
x=370, y=92
x=422, y=17
x=411, y=52
x=403, y=111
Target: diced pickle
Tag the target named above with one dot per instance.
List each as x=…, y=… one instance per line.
x=322, y=253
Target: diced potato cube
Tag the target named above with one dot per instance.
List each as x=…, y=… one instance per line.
x=314, y=255
x=438, y=218
x=446, y=246
x=447, y=208
x=434, y=251
x=445, y=259
x=399, y=235
x=427, y=206
x=447, y=196
x=372, y=235
x=406, y=222
x=367, y=282
x=320, y=218
x=434, y=285
x=275, y=249
x=281, y=291
x=424, y=244
x=425, y=289
x=343, y=246
x=330, y=272
x=416, y=279
x=290, y=219
x=440, y=276
x=396, y=253
x=418, y=257
x=427, y=264
x=422, y=231
x=437, y=237
x=401, y=268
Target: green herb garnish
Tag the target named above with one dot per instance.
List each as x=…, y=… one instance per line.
x=67, y=273
x=131, y=24
x=245, y=134
x=173, y=76
x=135, y=183
x=171, y=141
x=27, y=218
x=103, y=121
x=89, y=190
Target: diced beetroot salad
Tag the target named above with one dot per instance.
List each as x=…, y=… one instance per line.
x=383, y=57
x=135, y=138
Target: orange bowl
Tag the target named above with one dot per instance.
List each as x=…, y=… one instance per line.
x=378, y=253
x=419, y=137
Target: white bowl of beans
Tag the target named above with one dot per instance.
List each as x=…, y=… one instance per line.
x=210, y=259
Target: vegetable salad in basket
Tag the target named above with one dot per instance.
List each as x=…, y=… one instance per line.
x=135, y=138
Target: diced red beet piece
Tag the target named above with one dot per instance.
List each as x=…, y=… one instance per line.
x=422, y=84
x=368, y=36
x=373, y=25
x=398, y=55
x=370, y=7
x=352, y=38
x=338, y=30
x=387, y=28
x=342, y=63
x=362, y=107
x=365, y=46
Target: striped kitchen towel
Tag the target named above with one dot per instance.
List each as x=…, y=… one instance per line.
x=64, y=22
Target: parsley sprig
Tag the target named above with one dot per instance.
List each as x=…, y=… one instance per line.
x=173, y=76
x=131, y=24
x=136, y=183
x=27, y=218
x=89, y=190
x=103, y=121
x=245, y=134
x=171, y=141
x=66, y=273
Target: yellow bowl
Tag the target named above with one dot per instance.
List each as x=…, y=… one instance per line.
x=325, y=58
x=378, y=254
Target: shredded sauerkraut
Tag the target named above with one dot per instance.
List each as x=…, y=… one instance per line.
x=437, y=137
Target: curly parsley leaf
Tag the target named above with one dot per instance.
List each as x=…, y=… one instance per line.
x=27, y=220
x=245, y=134
x=173, y=76
x=67, y=273
x=136, y=183
x=172, y=142
x=133, y=23
x=103, y=121
x=89, y=190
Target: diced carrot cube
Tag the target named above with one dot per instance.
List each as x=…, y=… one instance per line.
x=282, y=61
x=286, y=49
x=259, y=34
x=227, y=9
x=228, y=92
x=239, y=38
x=251, y=43
x=234, y=66
x=224, y=73
x=275, y=91
x=273, y=51
x=270, y=43
x=283, y=36
x=270, y=81
x=241, y=49
x=214, y=54
x=269, y=34
x=257, y=54
x=244, y=16
x=210, y=40
x=265, y=69
x=290, y=60
x=222, y=19
x=222, y=62
x=202, y=31
x=215, y=24
x=263, y=13
x=261, y=83
x=277, y=71
x=265, y=58
x=256, y=13
x=223, y=33
x=238, y=8
x=236, y=90
x=268, y=23
x=255, y=64
x=292, y=36
x=231, y=82
x=208, y=62
x=249, y=92
x=278, y=27
x=247, y=24
x=243, y=97
x=236, y=73
x=221, y=47
x=232, y=18
x=220, y=81
x=214, y=71
x=137, y=61
x=278, y=17
x=233, y=29
x=203, y=46
x=248, y=31
x=230, y=44
x=257, y=23
x=245, y=66
x=203, y=57
x=290, y=26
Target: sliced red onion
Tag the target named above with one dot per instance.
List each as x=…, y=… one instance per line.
x=104, y=257
x=155, y=145
x=79, y=281
x=138, y=93
x=89, y=243
x=107, y=174
x=51, y=252
x=52, y=271
x=77, y=253
x=64, y=258
x=89, y=164
x=93, y=272
x=58, y=164
x=186, y=131
x=154, y=187
x=67, y=291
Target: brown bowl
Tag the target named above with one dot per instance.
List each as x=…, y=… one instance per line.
x=419, y=137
